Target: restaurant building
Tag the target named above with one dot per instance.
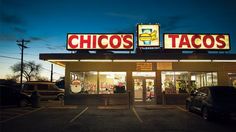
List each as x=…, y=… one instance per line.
x=146, y=75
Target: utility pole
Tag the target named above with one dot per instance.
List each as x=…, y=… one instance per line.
x=51, y=72
x=21, y=44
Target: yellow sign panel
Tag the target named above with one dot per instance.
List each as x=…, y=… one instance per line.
x=164, y=66
x=148, y=35
x=144, y=66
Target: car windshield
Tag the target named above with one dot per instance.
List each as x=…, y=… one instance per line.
x=223, y=93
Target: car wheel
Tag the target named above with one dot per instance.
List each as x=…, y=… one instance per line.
x=206, y=114
x=60, y=97
x=188, y=107
x=23, y=103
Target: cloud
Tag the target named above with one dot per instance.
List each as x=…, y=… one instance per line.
x=167, y=23
x=35, y=38
x=129, y=16
x=7, y=37
x=11, y=19
x=20, y=30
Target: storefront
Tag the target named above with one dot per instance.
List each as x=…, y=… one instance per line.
x=149, y=75
x=146, y=76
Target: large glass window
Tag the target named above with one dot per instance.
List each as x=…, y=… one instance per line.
x=174, y=82
x=84, y=82
x=183, y=82
x=232, y=79
x=204, y=79
x=112, y=82
x=91, y=83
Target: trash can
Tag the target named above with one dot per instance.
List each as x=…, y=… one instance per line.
x=35, y=98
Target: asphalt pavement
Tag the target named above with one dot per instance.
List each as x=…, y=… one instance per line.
x=99, y=119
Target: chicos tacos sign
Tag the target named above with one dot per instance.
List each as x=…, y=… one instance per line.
x=148, y=36
x=197, y=41
x=100, y=41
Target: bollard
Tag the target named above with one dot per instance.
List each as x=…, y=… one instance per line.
x=129, y=98
x=163, y=98
x=35, y=98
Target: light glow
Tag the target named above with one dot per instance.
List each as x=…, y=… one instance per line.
x=128, y=60
x=65, y=60
x=95, y=60
x=194, y=60
x=162, y=60
x=223, y=60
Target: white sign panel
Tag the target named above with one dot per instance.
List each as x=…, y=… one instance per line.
x=197, y=41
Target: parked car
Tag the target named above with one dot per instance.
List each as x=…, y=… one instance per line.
x=10, y=96
x=46, y=90
x=213, y=101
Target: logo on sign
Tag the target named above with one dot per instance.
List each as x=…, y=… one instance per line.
x=148, y=35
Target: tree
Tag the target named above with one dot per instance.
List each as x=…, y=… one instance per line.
x=30, y=70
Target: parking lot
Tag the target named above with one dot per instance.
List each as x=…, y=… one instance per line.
x=89, y=118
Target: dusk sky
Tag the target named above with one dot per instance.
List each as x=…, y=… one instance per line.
x=46, y=23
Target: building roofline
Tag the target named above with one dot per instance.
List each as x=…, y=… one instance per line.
x=150, y=56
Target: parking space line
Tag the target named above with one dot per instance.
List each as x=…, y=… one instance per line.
x=21, y=115
x=182, y=109
x=77, y=116
x=137, y=116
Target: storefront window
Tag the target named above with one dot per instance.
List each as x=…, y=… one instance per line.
x=112, y=82
x=185, y=82
x=232, y=79
x=83, y=82
x=205, y=79
x=174, y=82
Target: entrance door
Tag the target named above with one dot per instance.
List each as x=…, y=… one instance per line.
x=144, y=89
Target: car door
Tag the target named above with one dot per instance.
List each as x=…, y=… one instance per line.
x=196, y=103
x=201, y=97
x=43, y=91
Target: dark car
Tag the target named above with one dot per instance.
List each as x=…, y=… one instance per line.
x=46, y=90
x=213, y=101
x=11, y=96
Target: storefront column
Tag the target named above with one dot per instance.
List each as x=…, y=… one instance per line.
x=158, y=88
x=130, y=86
x=222, y=78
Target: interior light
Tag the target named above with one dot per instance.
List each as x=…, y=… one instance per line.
x=223, y=60
x=162, y=60
x=64, y=60
x=128, y=60
x=194, y=60
x=95, y=60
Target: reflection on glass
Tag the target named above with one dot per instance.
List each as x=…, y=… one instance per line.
x=83, y=82
x=149, y=89
x=110, y=82
x=183, y=82
x=138, y=90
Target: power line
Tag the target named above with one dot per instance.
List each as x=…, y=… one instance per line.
x=21, y=44
x=9, y=57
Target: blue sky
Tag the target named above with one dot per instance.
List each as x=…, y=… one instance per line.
x=46, y=22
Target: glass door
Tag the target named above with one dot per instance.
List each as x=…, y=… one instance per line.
x=138, y=90
x=144, y=89
x=149, y=88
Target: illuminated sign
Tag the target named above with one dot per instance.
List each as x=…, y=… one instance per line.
x=148, y=36
x=143, y=66
x=100, y=41
x=197, y=41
